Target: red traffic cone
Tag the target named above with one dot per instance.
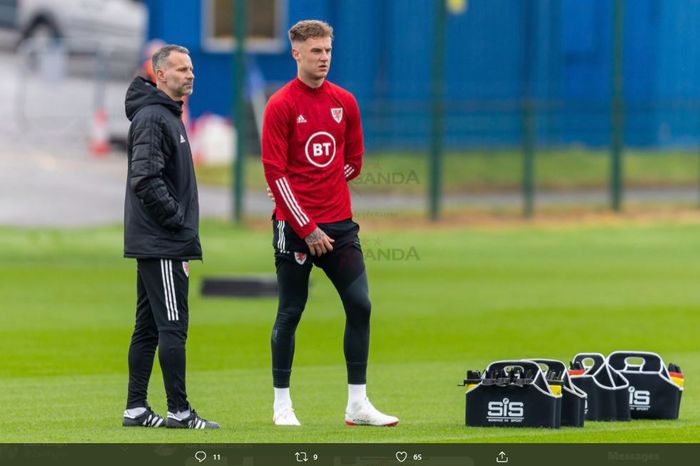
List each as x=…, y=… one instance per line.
x=99, y=137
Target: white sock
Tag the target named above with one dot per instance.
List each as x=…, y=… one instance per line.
x=357, y=394
x=134, y=412
x=282, y=399
x=180, y=415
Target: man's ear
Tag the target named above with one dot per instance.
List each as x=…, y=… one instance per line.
x=160, y=75
x=295, y=53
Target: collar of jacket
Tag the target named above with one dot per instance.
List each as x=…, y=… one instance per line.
x=142, y=93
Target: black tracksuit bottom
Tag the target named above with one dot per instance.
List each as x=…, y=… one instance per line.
x=161, y=321
x=345, y=267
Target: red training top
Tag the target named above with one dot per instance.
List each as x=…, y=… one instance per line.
x=311, y=146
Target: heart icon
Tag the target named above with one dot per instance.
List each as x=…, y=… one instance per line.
x=401, y=456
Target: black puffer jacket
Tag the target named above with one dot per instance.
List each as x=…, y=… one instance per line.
x=161, y=210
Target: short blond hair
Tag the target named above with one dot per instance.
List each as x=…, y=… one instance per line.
x=308, y=28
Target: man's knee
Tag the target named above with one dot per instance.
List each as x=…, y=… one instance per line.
x=358, y=308
x=288, y=316
x=145, y=335
x=172, y=339
x=356, y=300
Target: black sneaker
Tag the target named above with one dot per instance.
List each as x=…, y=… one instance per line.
x=147, y=419
x=193, y=421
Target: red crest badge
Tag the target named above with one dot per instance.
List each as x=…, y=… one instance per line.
x=337, y=114
x=300, y=257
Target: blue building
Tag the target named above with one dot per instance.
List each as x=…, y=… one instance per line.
x=553, y=54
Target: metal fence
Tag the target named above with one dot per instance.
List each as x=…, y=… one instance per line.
x=541, y=103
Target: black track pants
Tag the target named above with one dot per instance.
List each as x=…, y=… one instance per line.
x=161, y=321
x=345, y=267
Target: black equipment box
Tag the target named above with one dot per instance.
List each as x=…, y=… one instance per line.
x=654, y=391
x=511, y=393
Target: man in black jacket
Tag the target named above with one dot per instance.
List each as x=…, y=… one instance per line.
x=161, y=230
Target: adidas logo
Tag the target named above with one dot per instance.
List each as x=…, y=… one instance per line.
x=301, y=119
x=182, y=139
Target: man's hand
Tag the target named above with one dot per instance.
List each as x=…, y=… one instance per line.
x=270, y=195
x=319, y=243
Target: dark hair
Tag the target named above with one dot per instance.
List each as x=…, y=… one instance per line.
x=159, y=58
x=310, y=28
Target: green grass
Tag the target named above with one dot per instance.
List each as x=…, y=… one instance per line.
x=473, y=296
x=480, y=171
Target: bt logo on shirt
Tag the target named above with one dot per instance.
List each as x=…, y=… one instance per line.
x=320, y=149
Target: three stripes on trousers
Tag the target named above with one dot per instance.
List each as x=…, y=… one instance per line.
x=166, y=271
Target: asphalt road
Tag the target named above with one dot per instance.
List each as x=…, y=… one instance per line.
x=38, y=188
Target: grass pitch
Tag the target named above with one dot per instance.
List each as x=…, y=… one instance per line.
x=444, y=300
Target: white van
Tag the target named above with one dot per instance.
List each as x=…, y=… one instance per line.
x=82, y=26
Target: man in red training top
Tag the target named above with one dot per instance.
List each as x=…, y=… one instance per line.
x=311, y=147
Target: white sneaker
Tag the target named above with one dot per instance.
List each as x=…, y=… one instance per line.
x=367, y=415
x=285, y=417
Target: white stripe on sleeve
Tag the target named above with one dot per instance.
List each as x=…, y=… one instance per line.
x=291, y=202
x=291, y=195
